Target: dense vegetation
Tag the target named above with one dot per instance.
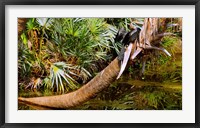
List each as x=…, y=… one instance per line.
x=59, y=55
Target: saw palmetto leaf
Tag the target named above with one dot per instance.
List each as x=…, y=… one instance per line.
x=58, y=76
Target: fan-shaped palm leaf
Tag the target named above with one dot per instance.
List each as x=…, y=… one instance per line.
x=57, y=74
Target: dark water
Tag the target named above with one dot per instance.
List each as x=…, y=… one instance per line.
x=126, y=95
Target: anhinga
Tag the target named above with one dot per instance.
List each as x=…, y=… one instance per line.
x=128, y=40
x=120, y=35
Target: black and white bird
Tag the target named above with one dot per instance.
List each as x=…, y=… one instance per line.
x=127, y=39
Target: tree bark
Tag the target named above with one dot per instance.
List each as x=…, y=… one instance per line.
x=148, y=34
x=97, y=84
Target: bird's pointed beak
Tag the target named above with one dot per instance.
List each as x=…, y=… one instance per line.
x=125, y=60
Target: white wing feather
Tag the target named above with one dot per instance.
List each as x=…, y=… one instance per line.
x=125, y=60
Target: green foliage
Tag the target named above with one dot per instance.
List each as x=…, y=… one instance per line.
x=25, y=61
x=81, y=42
x=57, y=74
x=59, y=54
x=24, y=38
x=160, y=67
x=173, y=43
x=31, y=24
x=125, y=22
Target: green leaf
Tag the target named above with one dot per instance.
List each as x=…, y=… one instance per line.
x=24, y=38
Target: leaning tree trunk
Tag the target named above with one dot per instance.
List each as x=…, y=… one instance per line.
x=97, y=84
x=150, y=31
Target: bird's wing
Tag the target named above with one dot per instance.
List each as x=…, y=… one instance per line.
x=125, y=60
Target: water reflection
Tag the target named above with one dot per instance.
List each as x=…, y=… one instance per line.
x=130, y=95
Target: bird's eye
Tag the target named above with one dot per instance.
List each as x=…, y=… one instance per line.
x=126, y=46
